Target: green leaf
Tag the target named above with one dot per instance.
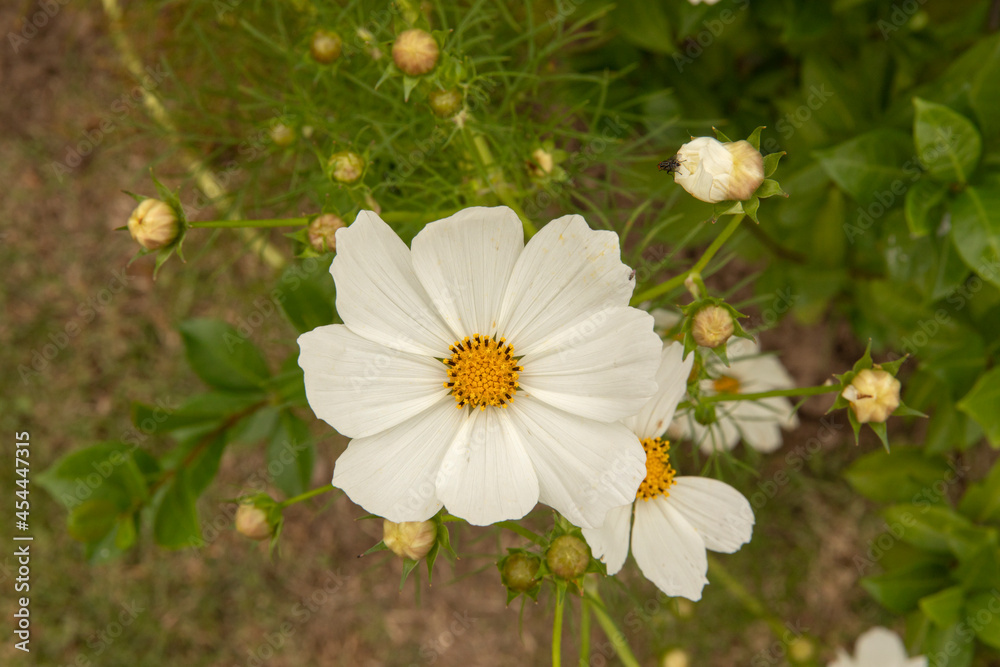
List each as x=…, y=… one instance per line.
x=900, y=476
x=981, y=501
x=176, y=524
x=982, y=404
x=203, y=410
x=984, y=89
x=922, y=199
x=222, y=357
x=948, y=144
x=644, y=24
x=106, y=472
x=944, y=607
x=926, y=526
x=975, y=230
x=307, y=295
x=874, y=168
x=900, y=592
x=92, y=520
x=951, y=646
x=290, y=455
x=983, y=609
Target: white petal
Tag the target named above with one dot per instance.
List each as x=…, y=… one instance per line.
x=880, y=647
x=379, y=296
x=585, y=468
x=843, y=660
x=566, y=273
x=718, y=512
x=486, y=476
x=610, y=542
x=668, y=550
x=601, y=368
x=721, y=436
x=671, y=380
x=763, y=373
x=393, y=473
x=464, y=263
x=920, y=661
x=360, y=387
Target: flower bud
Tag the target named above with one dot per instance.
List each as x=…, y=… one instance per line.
x=282, y=135
x=713, y=171
x=801, y=650
x=518, y=571
x=409, y=539
x=415, y=52
x=445, y=103
x=675, y=658
x=712, y=326
x=251, y=521
x=568, y=557
x=873, y=395
x=325, y=46
x=153, y=224
x=346, y=167
x=322, y=232
x=543, y=162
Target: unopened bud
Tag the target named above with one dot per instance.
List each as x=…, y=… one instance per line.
x=873, y=395
x=568, y=557
x=445, y=103
x=153, y=224
x=409, y=539
x=325, y=46
x=282, y=135
x=251, y=521
x=322, y=232
x=518, y=571
x=415, y=52
x=712, y=326
x=801, y=650
x=543, y=162
x=346, y=167
x=714, y=172
x=675, y=658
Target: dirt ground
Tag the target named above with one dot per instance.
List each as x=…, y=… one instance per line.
x=317, y=603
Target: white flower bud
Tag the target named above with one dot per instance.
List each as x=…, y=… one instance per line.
x=873, y=395
x=544, y=162
x=409, y=539
x=713, y=171
x=153, y=224
x=322, y=232
x=712, y=326
x=325, y=46
x=252, y=522
x=415, y=52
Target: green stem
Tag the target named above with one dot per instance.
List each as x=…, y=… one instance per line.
x=232, y=224
x=614, y=635
x=795, y=391
x=497, y=181
x=584, y=632
x=557, y=629
x=514, y=527
x=739, y=591
x=678, y=280
x=307, y=495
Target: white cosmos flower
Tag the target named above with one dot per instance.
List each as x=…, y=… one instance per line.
x=479, y=373
x=676, y=518
x=878, y=647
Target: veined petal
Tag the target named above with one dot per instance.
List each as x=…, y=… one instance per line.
x=393, y=473
x=610, y=542
x=486, y=475
x=566, y=273
x=880, y=646
x=718, y=512
x=464, y=262
x=378, y=294
x=671, y=381
x=601, y=368
x=584, y=468
x=668, y=550
x=360, y=387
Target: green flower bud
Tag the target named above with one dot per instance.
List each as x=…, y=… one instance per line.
x=322, y=232
x=282, y=135
x=154, y=224
x=445, y=103
x=415, y=52
x=518, y=571
x=325, y=46
x=409, y=539
x=568, y=557
x=346, y=167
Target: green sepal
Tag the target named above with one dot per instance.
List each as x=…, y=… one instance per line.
x=754, y=138
x=771, y=164
x=720, y=136
x=408, y=566
x=409, y=83
x=769, y=188
x=750, y=207
x=881, y=432
x=375, y=549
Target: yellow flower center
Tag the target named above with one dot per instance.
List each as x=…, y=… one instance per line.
x=659, y=472
x=725, y=384
x=482, y=371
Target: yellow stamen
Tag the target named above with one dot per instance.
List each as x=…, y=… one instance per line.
x=482, y=371
x=659, y=472
x=725, y=384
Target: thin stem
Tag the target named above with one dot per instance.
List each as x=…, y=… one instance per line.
x=584, y=632
x=497, y=181
x=678, y=280
x=795, y=391
x=307, y=495
x=521, y=530
x=232, y=224
x=615, y=636
x=557, y=629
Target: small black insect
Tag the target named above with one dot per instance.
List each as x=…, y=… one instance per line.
x=671, y=165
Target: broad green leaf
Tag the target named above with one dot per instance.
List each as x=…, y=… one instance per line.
x=984, y=608
x=106, y=471
x=922, y=199
x=984, y=89
x=206, y=410
x=899, y=476
x=944, y=607
x=290, y=455
x=222, y=356
x=982, y=403
x=874, y=168
x=926, y=526
x=979, y=565
x=176, y=525
x=307, y=295
x=975, y=230
x=981, y=501
x=644, y=24
x=948, y=144
x=900, y=592
x=92, y=520
x=950, y=646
